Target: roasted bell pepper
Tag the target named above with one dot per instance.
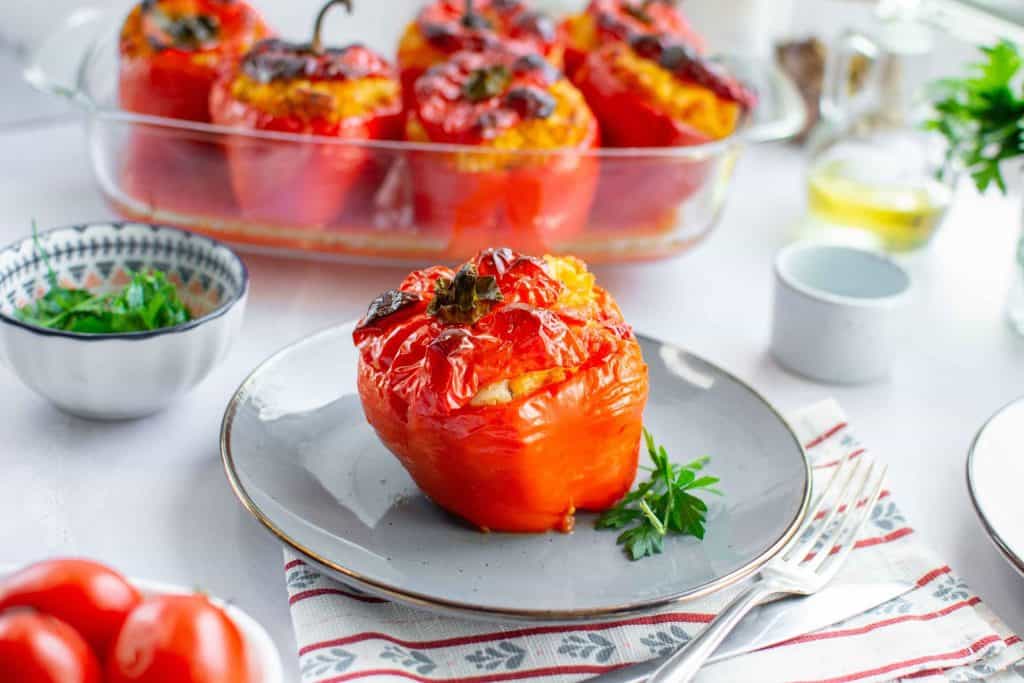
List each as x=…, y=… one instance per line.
x=445, y=27
x=171, y=51
x=170, y=54
x=525, y=177
x=655, y=91
x=348, y=94
x=613, y=21
x=511, y=389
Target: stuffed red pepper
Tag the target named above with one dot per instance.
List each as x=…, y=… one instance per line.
x=348, y=94
x=445, y=27
x=526, y=176
x=172, y=50
x=613, y=21
x=655, y=91
x=511, y=389
x=170, y=54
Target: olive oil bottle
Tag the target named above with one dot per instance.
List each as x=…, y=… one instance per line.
x=901, y=212
x=871, y=168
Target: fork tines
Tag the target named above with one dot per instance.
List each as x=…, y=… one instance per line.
x=837, y=516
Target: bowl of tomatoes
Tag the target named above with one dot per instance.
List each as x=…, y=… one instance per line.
x=611, y=133
x=70, y=620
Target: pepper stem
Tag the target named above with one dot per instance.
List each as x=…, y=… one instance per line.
x=465, y=298
x=317, y=45
x=472, y=19
x=639, y=10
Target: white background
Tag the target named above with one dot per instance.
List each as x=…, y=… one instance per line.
x=150, y=496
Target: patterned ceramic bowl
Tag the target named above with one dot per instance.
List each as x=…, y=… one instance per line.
x=119, y=376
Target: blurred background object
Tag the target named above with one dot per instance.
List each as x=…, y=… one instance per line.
x=803, y=60
x=978, y=21
x=872, y=171
x=747, y=27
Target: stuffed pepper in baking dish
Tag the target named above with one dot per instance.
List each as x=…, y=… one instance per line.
x=445, y=27
x=654, y=91
x=511, y=389
x=525, y=174
x=343, y=94
x=171, y=52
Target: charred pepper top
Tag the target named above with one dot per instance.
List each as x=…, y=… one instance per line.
x=688, y=66
x=502, y=325
x=202, y=28
x=605, y=21
x=448, y=26
x=656, y=91
x=500, y=99
x=307, y=81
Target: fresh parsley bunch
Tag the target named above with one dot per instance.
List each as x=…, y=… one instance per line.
x=663, y=504
x=981, y=115
x=148, y=302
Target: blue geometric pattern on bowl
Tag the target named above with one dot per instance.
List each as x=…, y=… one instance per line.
x=99, y=257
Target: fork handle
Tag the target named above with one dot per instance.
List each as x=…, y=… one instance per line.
x=684, y=664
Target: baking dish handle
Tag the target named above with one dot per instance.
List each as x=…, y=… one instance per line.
x=53, y=65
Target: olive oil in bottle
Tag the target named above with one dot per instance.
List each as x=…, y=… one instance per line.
x=877, y=194
x=872, y=175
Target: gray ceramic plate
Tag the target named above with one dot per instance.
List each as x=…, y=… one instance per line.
x=995, y=468
x=301, y=457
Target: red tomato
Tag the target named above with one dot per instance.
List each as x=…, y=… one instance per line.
x=37, y=648
x=92, y=598
x=178, y=639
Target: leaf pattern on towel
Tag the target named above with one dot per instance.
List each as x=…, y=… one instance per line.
x=331, y=661
x=662, y=643
x=302, y=578
x=409, y=659
x=504, y=654
x=886, y=516
x=582, y=647
x=951, y=589
x=898, y=605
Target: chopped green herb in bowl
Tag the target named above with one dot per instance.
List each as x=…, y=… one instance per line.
x=148, y=302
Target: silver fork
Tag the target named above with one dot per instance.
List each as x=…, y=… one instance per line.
x=795, y=570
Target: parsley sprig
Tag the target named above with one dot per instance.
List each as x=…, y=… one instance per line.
x=981, y=115
x=148, y=302
x=664, y=504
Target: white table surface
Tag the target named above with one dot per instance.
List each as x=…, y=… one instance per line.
x=150, y=497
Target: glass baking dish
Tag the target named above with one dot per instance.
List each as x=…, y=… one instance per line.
x=412, y=202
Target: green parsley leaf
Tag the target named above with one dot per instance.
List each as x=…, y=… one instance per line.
x=661, y=505
x=641, y=541
x=980, y=116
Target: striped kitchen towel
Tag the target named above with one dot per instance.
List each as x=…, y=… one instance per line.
x=938, y=631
